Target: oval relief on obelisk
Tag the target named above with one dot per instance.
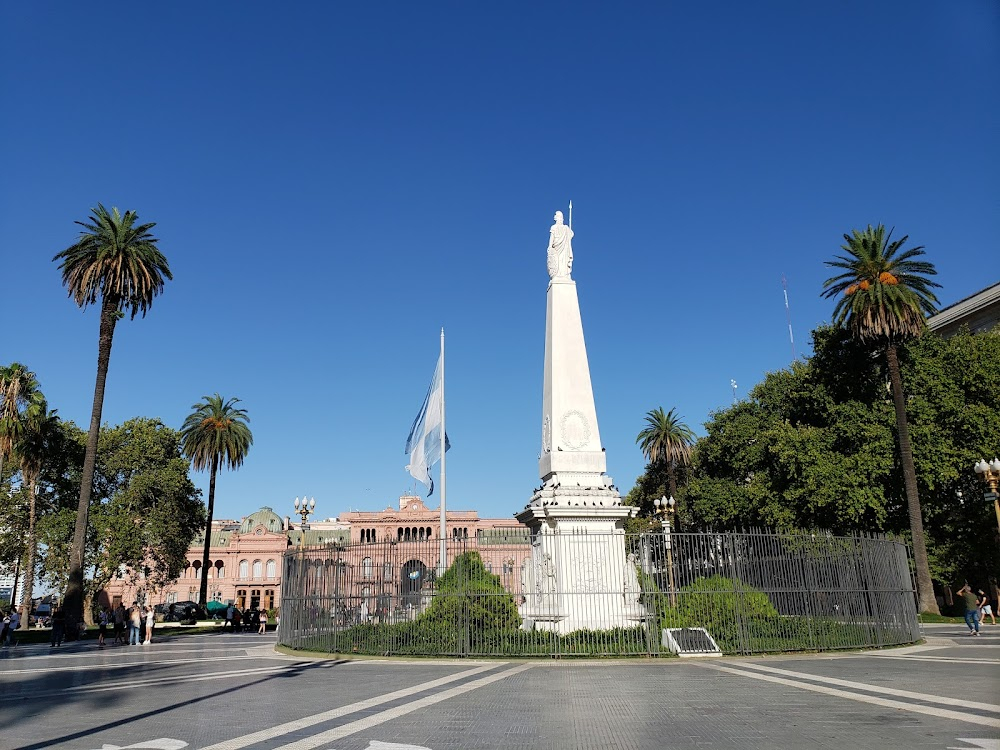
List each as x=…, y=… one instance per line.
x=574, y=430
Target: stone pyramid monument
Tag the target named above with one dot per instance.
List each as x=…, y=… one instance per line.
x=578, y=575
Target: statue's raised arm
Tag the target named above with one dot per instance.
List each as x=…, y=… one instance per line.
x=560, y=254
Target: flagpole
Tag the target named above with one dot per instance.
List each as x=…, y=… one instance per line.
x=443, y=563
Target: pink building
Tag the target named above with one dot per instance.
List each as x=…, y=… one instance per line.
x=245, y=558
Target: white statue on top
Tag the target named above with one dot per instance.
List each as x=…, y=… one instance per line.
x=560, y=256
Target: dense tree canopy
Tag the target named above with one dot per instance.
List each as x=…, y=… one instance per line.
x=814, y=446
x=145, y=509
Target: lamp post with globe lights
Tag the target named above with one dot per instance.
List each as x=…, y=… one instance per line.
x=663, y=509
x=990, y=472
x=305, y=509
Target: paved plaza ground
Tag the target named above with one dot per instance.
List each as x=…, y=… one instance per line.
x=233, y=692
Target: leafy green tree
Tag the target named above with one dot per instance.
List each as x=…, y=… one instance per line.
x=33, y=448
x=116, y=262
x=666, y=440
x=815, y=446
x=883, y=296
x=145, y=514
x=215, y=434
x=152, y=511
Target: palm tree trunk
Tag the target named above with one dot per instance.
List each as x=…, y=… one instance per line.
x=73, y=602
x=203, y=595
x=29, y=566
x=925, y=588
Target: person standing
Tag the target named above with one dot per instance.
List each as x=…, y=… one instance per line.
x=4, y=627
x=263, y=622
x=58, y=626
x=985, y=608
x=971, y=608
x=150, y=621
x=230, y=611
x=134, y=622
x=102, y=626
x=119, y=618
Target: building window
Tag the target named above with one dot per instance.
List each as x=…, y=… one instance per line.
x=387, y=571
x=258, y=568
x=241, y=598
x=366, y=566
x=272, y=569
x=244, y=568
x=268, y=602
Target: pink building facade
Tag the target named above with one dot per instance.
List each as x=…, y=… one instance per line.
x=245, y=557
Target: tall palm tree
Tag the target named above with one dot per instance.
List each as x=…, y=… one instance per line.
x=21, y=406
x=114, y=262
x=666, y=439
x=883, y=297
x=32, y=450
x=214, y=435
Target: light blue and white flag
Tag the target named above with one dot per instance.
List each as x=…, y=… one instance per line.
x=424, y=443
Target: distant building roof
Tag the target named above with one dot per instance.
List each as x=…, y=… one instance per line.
x=265, y=517
x=979, y=311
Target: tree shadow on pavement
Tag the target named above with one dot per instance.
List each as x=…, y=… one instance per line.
x=34, y=703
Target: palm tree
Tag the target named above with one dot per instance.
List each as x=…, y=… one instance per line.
x=666, y=439
x=115, y=262
x=32, y=450
x=215, y=434
x=884, y=296
x=21, y=405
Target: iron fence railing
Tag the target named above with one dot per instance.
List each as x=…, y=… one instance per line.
x=501, y=595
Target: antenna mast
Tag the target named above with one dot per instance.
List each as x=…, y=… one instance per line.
x=788, y=315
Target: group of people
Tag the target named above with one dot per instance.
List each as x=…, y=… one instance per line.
x=130, y=627
x=238, y=621
x=977, y=608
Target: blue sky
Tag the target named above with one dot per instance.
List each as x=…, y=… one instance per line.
x=332, y=183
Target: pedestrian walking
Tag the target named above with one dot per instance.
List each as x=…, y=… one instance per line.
x=134, y=623
x=985, y=608
x=971, y=608
x=150, y=621
x=58, y=627
x=230, y=611
x=263, y=622
x=102, y=626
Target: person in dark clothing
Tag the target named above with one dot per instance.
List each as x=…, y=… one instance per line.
x=58, y=627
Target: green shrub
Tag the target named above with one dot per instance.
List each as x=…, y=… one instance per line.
x=468, y=593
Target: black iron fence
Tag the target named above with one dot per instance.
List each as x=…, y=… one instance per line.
x=511, y=593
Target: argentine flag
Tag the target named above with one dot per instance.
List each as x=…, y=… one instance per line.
x=423, y=446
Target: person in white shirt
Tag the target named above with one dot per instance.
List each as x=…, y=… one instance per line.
x=150, y=621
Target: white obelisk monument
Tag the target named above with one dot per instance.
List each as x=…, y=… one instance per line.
x=578, y=576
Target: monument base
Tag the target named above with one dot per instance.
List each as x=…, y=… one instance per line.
x=579, y=577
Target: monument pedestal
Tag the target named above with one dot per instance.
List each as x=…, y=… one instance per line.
x=579, y=565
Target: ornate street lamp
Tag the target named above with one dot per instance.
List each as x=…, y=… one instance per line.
x=990, y=473
x=305, y=509
x=664, y=508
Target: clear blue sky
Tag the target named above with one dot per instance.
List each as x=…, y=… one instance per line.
x=332, y=183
